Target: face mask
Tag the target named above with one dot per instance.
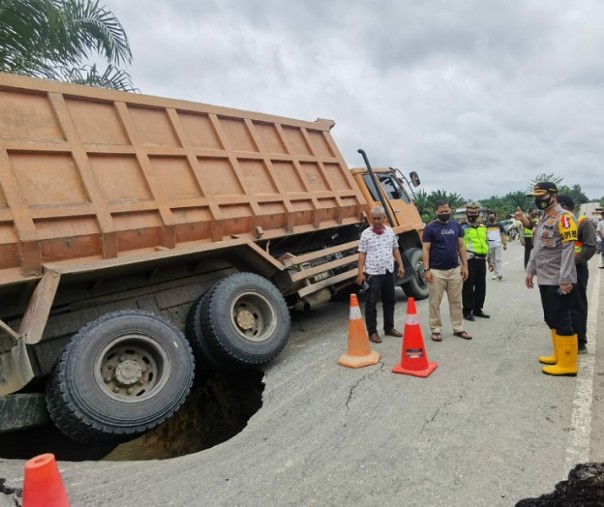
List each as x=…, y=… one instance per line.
x=443, y=217
x=472, y=219
x=492, y=219
x=543, y=203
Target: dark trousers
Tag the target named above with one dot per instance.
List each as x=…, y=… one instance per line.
x=528, y=246
x=578, y=304
x=383, y=284
x=556, y=309
x=475, y=287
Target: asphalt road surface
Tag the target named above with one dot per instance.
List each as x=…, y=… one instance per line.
x=487, y=428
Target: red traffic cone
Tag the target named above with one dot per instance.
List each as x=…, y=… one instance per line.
x=414, y=360
x=359, y=352
x=42, y=485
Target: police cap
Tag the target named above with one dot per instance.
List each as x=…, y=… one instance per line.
x=544, y=187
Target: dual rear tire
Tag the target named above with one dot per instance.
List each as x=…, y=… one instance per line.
x=128, y=371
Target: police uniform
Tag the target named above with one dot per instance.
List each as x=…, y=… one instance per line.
x=585, y=249
x=477, y=248
x=552, y=260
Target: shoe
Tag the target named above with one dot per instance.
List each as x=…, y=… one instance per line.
x=463, y=334
x=394, y=332
x=601, y=267
x=494, y=277
x=468, y=316
x=582, y=348
x=375, y=338
x=499, y=277
x=436, y=337
x=480, y=313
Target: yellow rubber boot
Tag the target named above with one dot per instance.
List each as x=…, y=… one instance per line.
x=567, y=348
x=553, y=359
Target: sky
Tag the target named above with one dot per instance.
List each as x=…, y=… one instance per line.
x=479, y=97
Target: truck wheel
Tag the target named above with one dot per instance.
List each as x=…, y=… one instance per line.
x=20, y=411
x=246, y=320
x=416, y=287
x=202, y=347
x=120, y=375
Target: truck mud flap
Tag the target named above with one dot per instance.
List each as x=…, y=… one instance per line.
x=15, y=369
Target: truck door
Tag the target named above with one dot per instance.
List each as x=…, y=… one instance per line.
x=401, y=208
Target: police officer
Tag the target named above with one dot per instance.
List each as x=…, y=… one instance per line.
x=477, y=248
x=552, y=260
x=585, y=248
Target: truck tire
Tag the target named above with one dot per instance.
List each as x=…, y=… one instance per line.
x=20, y=411
x=119, y=376
x=245, y=320
x=416, y=287
x=203, y=351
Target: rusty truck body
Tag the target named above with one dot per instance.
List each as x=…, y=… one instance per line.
x=141, y=236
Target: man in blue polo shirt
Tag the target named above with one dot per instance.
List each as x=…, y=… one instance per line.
x=442, y=248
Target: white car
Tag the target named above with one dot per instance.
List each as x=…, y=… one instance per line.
x=510, y=229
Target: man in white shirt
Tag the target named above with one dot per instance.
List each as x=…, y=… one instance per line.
x=378, y=249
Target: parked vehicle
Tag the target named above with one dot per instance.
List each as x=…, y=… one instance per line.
x=509, y=226
x=141, y=235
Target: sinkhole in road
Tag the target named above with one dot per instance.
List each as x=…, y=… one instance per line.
x=217, y=409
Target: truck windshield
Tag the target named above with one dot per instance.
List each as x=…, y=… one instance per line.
x=390, y=186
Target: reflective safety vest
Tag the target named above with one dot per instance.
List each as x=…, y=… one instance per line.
x=528, y=233
x=579, y=244
x=475, y=239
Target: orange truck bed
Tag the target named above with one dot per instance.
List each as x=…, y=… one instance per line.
x=89, y=174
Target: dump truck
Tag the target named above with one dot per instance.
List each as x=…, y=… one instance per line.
x=142, y=238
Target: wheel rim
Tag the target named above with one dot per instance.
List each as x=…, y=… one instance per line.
x=420, y=274
x=253, y=316
x=132, y=368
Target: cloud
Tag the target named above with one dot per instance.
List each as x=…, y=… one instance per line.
x=478, y=96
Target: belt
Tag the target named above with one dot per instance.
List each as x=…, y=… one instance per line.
x=472, y=255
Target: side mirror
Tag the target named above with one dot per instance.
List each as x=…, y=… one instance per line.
x=414, y=179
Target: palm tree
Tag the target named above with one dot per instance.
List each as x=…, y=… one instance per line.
x=544, y=177
x=55, y=38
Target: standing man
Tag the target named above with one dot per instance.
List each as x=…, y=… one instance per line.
x=600, y=231
x=477, y=249
x=497, y=238
x=526, y=234
x=585, y=248
x=378, y=249
x=442, y=248
x=553, y=262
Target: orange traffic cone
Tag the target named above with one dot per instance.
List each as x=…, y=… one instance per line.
x=359, y=352
x=42, y=485
x=414, y=360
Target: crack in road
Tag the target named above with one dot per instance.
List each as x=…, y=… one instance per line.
x=362, y=379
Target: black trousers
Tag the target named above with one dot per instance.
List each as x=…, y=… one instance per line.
x=383, y=284
x=528, y=246
x=578, y=304
x=556, y=309
x=475, y=287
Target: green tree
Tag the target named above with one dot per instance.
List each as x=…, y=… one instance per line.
x=56, y=39
x=575, y=193
x=423, y=205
